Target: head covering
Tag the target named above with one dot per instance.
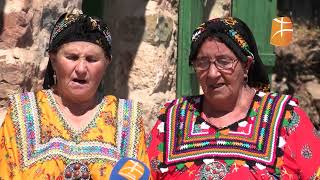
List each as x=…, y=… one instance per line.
x=76, y=26
x=238, y=37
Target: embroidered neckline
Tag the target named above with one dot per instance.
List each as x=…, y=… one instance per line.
x=254, y=99
x=26, y=118
x=74, y=132
x=259, y=144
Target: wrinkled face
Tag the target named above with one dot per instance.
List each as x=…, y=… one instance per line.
x=218, y=84
x=79, y=68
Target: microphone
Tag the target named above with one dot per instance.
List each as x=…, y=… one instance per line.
x=130, y=169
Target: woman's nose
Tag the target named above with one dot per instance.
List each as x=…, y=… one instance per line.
x=81, y=66
x=213, y=71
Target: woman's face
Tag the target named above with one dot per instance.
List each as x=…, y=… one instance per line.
x=219, y=85
x=79, y=68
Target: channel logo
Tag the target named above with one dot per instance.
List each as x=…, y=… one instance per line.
x=281, y=31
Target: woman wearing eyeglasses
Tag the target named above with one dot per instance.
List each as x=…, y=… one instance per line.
x=236, y=129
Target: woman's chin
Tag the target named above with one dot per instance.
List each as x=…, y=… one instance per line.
x=80, y=94
x=216, y=90
x=217, y=94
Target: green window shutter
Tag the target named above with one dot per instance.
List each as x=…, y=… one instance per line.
x=258, y=15
x=190, y=16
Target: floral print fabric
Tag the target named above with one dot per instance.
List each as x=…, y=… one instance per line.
x=36, y=142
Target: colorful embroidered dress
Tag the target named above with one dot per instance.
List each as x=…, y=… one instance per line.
x=275, y=141
x=36, y=142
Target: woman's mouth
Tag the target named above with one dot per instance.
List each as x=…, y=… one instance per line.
x=79, y=81
x=216, y=86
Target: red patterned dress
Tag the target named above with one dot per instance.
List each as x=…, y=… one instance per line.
x=275, y=141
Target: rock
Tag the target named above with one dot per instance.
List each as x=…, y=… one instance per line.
x=15, y=6
x=12, y=73
x=16, y=27
x=308, y=77
x=164, y=29
x=299, y=65
x=151, y=25
x=158, y=29
x=7, y=89
x=314, y=89
x=307, y=104
x=218, y=8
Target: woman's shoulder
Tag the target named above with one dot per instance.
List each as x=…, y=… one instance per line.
x=23, y=104
x=291, y=100
x=293, y=112
x=28, y=95
x=121, y=101
x=122, y=107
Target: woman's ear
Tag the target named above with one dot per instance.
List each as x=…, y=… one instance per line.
x=248, y=63
x=108, y=61
x=52, y=58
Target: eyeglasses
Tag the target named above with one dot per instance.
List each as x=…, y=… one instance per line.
x=222, y=63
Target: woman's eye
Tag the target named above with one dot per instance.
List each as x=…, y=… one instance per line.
x=92, y=59
x=203, y=62
x=203, y=59
x=72, y=57
x=224, y=61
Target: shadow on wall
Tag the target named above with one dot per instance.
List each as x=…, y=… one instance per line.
x=126, y=19
x=127, y=23
x=2, y=4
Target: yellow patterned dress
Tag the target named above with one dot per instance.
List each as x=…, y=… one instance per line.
x=36, y=142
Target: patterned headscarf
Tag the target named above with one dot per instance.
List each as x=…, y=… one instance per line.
x=238, y=37
x=76, y=26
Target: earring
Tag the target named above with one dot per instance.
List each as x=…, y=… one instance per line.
x=245, y=79
x=54, y=78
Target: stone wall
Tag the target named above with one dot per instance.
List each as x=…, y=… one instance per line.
x=144, y=46
x=24, y=35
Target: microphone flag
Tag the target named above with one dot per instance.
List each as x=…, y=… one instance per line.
x=130, y=169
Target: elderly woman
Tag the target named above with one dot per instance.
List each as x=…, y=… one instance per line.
x=70, y=130
x=234, y=130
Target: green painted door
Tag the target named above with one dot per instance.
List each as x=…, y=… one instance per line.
x=190, y=16
x=258, y=15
